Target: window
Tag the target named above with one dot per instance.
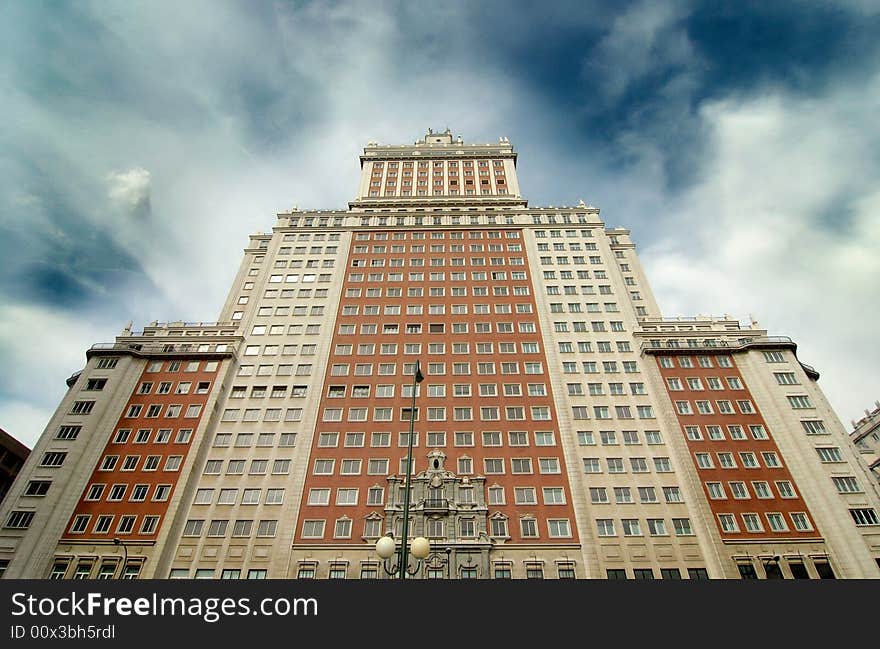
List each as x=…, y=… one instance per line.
x=829, y=454
x=728, y=523
x=346, y=496
x=682, y=526
x=109, y=362
x=350, y=467
x=525, y=496
x=814, y=427
x=798, y=402
x=68, y=432
x=631, y=527
x=704, y=407
x=95, y=384
x=647, y=495
x=37, y=488
x=864, y=516
x=598, y=495
x=559, y=528
x=693, y=383
x=544, y=438
x=518, y=438
x=592, y=465
x=762, y=489
x=521, y=465
x=657, y=527
x=846, y=484
x=672, y=495
x=771, y=460
x=548, y=465
x=20, y=520
x=493, y=465
x=323, y=467
x=777, y=522
x=280, y=467
x=318, y=497
x=528, y=527
x=52, y=459
x=84, y=408
x=375, y=496
x=801, y=523
x=117, y=491
x=377, y=466
x=608, y=437
x=313, y=529
x=605, y=527
x=615, y=465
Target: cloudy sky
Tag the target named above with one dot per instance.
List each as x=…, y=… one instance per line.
x=143, y=141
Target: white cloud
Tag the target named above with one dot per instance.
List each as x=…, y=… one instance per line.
x=130, y=188
x=182, y=146
x=642, y=40
x=167, y=125
x=40, y=349
x=784, y=226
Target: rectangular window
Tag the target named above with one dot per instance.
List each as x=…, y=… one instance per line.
x=19, y=520
x=864, y=516
x=798, y=402
x=814, y=427
x=682, y=527
x=83, y=407
x=829, y=454
x=605, y=527
x=672, y=495
x=525, y=496
x=846, y=484
x=68, y=432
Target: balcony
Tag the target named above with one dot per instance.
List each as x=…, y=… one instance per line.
x=435, y=504
x=145, y=349
x=710, y=345
x=674, y=344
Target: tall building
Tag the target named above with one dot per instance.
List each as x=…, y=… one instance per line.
x=12, y=456
x=564, y=428
x=865, y=436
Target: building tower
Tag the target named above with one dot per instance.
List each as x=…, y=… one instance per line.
x=563, y=428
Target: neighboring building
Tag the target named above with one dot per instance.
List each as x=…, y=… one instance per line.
x=12, y=455
x=563, y=428
x=866, y=438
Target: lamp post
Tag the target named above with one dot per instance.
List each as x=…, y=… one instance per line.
x=118, y=541
x=386, y=548
x=420, y=546
x=437, y=561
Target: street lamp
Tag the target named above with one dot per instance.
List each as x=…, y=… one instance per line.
x=387, y=548
x=421, y=548
x=118, y=541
